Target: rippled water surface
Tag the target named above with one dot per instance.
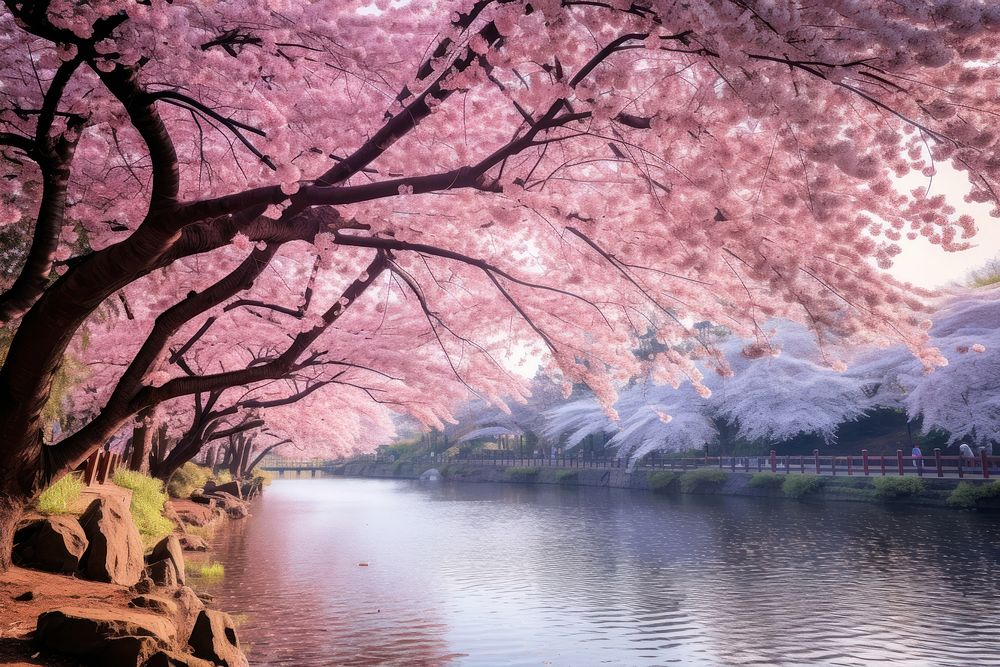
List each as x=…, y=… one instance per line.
x=493, y=574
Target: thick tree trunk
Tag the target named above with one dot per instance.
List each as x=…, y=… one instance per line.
x=236, y=445
x=142, y=441
x=11, y=511
x=21, y=480
x=186, y=449
x=245, y=458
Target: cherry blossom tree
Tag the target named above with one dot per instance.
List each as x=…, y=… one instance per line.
x=797, y=384
x=558, y=173
x=786, y=383
x=962, y=398
x=478, y=418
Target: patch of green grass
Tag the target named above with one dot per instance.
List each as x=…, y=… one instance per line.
x=705, y=480
x=223, y=477
x=186, y=479
x=148, y=498
x=766, y=480
x=889, y=488
x=800, y=486
x=522, y=474
x=663, y=481
x=567, y=476
x=58, y=498
x=210, y=571
x=966, y=495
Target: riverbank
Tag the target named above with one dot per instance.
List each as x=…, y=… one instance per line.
x=971, y=493
x=87, y=588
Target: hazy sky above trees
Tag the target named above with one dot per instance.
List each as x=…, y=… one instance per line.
x=927, y=265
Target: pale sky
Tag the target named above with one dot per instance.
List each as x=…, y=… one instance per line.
x=928, y=265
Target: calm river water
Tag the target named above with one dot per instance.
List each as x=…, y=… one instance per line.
x=503, y=574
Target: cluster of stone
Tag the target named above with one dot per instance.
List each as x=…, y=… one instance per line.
x=166, y=624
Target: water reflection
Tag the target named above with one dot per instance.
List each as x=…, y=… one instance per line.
x=471, y=574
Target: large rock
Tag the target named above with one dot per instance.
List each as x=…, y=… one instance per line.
x=108, y=637
x=53, y=544
x=162, y=572
x=214, y=639
x=190, y=542
x=232, y=488
x=169, y=548
x=128, y=651
x=115, y=551
x=194, y=512
x=155, y=603
x=176, y=659
x=189, y=606
x=233, y=506
x=144, y=585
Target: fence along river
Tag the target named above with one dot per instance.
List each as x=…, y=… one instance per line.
x=957, y=467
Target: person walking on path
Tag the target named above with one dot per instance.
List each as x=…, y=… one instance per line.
x=968, y=458
x=917, y=456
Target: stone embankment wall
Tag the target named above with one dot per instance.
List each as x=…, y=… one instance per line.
x=856, y=488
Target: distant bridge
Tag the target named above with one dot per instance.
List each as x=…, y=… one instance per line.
x=933, y=465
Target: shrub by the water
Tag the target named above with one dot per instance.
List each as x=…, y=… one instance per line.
x=148, y=498
x=210, y=571
x=888, y=488
x=663, y=481
x=702, y=481
x=800, y=486
x=58, y=498
x=966, y=495
x=766, y=480
x=222, y=477
x=265, y=477
x=567, y=476
x=186, y=479
x=522, y=474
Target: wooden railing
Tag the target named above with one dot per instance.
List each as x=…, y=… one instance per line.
x=863, y=464
x=100, y=467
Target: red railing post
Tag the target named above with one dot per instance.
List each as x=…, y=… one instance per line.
x=985, y=461
x=850, y=466
x=102, y=467
x=816, y=457
x=864, y=460
x=774, y=461
x=937, y=461
x=90, y=476
x=899, y=462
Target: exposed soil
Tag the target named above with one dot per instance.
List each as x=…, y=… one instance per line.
x=50, y=591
